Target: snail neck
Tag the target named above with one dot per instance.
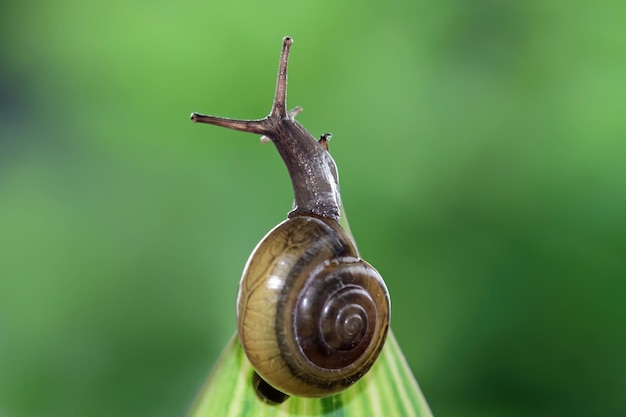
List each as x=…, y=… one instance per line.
x=312, y=171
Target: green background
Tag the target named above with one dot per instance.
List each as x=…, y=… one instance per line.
x=481, y=147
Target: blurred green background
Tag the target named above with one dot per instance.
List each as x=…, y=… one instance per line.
x=482, y=154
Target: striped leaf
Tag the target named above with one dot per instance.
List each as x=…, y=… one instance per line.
x=388, y=389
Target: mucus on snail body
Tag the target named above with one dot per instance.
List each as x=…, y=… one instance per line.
x=312, y=316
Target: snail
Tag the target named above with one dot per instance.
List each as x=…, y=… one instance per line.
x=312, y=316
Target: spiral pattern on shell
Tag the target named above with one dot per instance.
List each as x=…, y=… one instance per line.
x=312, y=317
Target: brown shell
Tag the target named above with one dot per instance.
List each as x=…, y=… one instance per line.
x=312, y=317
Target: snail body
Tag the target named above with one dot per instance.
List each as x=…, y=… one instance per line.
x=312, y=316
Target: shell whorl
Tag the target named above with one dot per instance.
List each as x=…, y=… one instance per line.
x=312, y=316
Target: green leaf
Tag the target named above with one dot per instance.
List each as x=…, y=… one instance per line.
x=388, y=389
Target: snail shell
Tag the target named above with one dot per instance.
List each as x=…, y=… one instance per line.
x=312, y=317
